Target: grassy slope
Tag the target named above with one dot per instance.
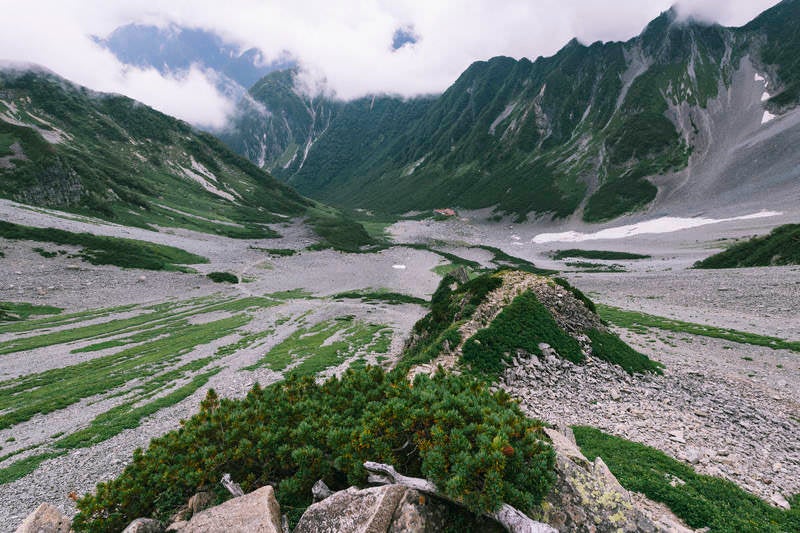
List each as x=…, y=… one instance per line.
x=98, y=250
x=703, y=501
x=123, y=161
x=639, y=322
x=136, y=156
x=780, y=247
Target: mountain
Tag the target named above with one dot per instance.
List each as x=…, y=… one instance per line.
x=66, y=147
x=601, y=130
x=176, y=48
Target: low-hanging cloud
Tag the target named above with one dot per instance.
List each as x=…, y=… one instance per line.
x=347, y=43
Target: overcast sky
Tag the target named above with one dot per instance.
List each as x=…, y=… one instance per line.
x=347, y=42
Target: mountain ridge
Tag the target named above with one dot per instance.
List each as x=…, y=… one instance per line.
x=584, y=131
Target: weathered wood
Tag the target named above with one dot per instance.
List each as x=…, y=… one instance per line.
x=514, y=520
x=231, y=485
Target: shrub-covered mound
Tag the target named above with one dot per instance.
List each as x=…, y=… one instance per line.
x=475, y=445
x=781, y=247
x=518, y=311
x=222, y=277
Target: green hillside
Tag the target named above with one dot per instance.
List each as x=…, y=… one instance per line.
x=63, y=146
x=781, y=247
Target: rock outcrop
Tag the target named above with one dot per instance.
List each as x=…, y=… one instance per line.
x=588, y=498
x=144, y=525
x=386, y=509
x=45, y=519
x=256, y=512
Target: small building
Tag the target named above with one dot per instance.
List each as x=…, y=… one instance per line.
x=447, y=212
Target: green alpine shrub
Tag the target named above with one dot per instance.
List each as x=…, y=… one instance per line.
x=477, y=446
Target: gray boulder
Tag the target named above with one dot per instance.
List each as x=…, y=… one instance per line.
x=45, y=519
x=256, y=512
x=588, y=498
x=144, y=525
x=385, y=509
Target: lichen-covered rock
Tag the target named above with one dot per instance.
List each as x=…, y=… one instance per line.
x=256, y=512
x=587, y=496
x=385, y=509
x=369, y=510
x=200, y=502
x=45, y=519
x=144, y=525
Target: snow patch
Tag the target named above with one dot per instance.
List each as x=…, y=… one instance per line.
x=767, y=117
x=658, y=225
x=290, y=161
x=502, y=116
x=198, y=167
x=51, y=134
x=199, y=178
x=414, y=165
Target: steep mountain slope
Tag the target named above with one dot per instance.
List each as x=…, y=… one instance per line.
x=106, y=155
x=277, y=127
x=589, y=129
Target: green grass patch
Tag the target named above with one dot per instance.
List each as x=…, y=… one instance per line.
x=588, y=266
x=502, y=259
x=326, y=344
x=61, y=320
x=640, y=322
x=222, y=277
x=12, y=311
x=596, y=254
x=703, y=501
x=523, y=324
x=98, y=250
x=457, y=261
x=126, y=416
x=45, y=253
x=780, y=247
x=280, y=252
x=447, y=268
x=291, y=294
x=51, y=390
x=23, y=467
x=384, y=296
x=338, y=231
x=611, y=348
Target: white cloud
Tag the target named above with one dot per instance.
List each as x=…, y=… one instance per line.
x=347, y=42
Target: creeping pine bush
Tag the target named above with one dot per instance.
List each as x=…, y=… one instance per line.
x=523, y=324
x=222, y=277
x=475, y=445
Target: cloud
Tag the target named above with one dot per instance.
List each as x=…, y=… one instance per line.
x=348, y=43
x=56, y=35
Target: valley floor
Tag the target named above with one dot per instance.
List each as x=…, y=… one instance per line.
x=134, y=351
